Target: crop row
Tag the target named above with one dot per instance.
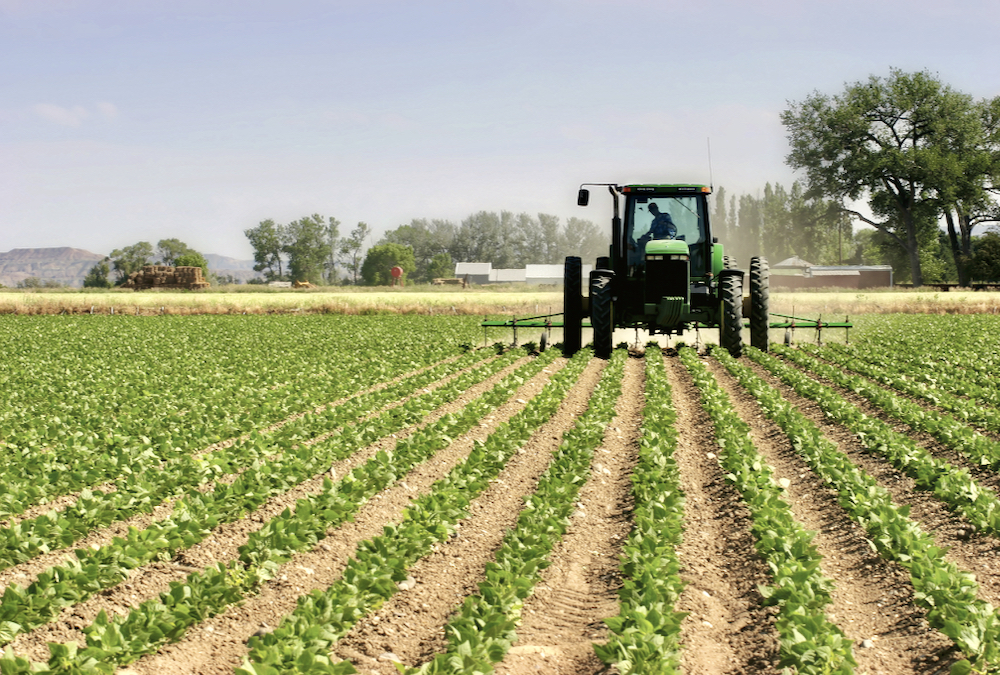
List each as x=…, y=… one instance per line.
x=946, y=593
x=195, y=516
x=954, y=486
x=140, y=491
x=810, y=643
x=645, y=636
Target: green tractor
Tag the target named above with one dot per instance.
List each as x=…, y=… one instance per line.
x=666, y=273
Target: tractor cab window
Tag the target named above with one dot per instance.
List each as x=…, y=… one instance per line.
x=649, y=218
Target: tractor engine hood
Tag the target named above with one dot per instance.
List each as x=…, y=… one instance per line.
x=666, y=247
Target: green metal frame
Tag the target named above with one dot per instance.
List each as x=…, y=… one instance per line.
x=792, y=322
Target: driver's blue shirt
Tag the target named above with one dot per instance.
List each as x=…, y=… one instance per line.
x=662, y=228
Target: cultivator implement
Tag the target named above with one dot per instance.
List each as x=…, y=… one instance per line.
x=787, y=321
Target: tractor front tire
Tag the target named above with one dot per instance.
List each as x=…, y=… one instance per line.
x=572, y=305
x=760, y=315
x=602, y=316
x=730, y=332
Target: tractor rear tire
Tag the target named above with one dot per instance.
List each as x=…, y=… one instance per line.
x=572, y=305
x=602, y=316
x=730, y=332
x=760, y=315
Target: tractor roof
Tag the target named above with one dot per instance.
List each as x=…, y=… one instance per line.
x=671, y=189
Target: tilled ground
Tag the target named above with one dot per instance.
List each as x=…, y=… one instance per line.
x=727, y=628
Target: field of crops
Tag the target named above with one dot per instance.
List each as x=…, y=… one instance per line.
x=375, y=494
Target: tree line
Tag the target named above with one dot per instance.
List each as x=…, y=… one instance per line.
x=311, y=248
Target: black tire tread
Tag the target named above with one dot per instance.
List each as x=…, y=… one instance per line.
x=602, y=316
x=572, y=305
x=760, y=315
x=730, y=332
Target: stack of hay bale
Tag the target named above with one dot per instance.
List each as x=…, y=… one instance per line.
x=162, y=276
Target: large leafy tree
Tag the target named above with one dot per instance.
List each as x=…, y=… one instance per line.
x=351, y=247
x=894, y=141
x=985, y=262
x=267, y=240
x=97, y=276
x=307, y=244
x=971, y=200
x=381, y=258
x=130, y=259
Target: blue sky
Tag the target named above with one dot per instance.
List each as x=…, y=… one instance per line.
x=128, y=120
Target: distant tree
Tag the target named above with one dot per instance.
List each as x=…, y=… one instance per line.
x=169, y=250
x=193, y=259
x=267, y=240
x=428, y=239
x=382, y=258
x=35, y=282
x=720, y=217
x=351, y=248
x=306, y=243
x=130, y=259
x=97, y=276
x=332, y=249
x=985, y=262
x=441, y=267
x=585, y=239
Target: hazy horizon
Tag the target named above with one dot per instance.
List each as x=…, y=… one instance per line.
x=124, y=122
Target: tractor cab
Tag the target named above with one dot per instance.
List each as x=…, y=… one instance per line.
x=679, y=218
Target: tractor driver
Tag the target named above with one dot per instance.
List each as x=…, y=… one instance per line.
x=662, y=227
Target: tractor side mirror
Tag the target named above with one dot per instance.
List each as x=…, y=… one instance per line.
x=583, y=197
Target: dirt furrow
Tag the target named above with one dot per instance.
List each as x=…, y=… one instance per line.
x=970, y=550
x=219, y=644
x=872, y=598
x=579, y=590
x=222, y=546
x=727, y=630
x=410, y=624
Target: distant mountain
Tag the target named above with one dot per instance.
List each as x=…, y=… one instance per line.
x=70, y=265
x=224, y=266
x=223, y=262
x=63, y=264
